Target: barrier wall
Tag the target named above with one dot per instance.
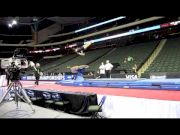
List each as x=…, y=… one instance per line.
x=131, y=107
x=162, y=75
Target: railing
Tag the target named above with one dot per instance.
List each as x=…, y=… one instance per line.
x=52, y=57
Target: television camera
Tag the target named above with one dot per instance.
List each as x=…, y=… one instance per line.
x=17, y=63
x=14, y=66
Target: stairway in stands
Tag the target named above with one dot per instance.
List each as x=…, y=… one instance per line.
x=168, y=60
x=153, y=56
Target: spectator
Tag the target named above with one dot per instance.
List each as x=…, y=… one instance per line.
x=97, y=75
x=134, y=68
x=130, y=59
x=125, y=60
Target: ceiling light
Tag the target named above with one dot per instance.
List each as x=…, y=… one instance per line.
x=10, y=25
x=35, y=19
x=14, y=22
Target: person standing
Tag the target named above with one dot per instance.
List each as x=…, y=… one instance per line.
x=108, y=68
x=37, y=73
x=102, y=70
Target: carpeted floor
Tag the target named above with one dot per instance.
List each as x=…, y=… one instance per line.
x=139, y=93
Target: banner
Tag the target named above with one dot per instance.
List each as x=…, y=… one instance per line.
x=69, y=77
x=158, y=75
x=3, y=80
x=130, y=76
x=43, y=78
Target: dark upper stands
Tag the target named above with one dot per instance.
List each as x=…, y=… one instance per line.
x=168, y=59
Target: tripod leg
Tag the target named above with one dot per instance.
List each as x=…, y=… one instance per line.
x=5, y=94
x=17, y=96
x=27, y=99
x=19, y=89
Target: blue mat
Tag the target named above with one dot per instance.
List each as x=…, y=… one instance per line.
x=166, y=84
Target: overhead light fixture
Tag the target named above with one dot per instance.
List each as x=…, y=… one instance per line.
x=137, y=31
x=10, y=25
x=131, y=32
x=35, y=19
x=99, y=24
x=14, y=22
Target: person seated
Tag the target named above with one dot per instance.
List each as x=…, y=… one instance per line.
x=125, y=60
x=134, y=68
x=97, y=75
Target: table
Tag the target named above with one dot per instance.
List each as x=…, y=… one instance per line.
x=79, y=101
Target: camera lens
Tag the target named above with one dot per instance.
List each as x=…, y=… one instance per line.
x=23, y=63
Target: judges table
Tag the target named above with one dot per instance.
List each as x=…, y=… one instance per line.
x=79, y=101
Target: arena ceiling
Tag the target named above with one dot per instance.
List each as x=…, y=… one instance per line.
x=69, y=20
x=57, y=19
x=23, y=28
x=24, y=23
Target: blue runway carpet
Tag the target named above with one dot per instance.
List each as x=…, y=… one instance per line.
x=166, y=84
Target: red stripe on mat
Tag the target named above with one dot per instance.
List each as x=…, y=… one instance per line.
x=139, y=93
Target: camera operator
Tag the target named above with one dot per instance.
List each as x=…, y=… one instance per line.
x=37, y=73
x=7, y=76
x=14, y=72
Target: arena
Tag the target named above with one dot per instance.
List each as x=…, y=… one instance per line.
x=90, y=67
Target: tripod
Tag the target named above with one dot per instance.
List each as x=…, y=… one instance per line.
x=19, y=92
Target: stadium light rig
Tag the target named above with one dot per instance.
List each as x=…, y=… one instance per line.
x=100, y=24
x=13, y=22
x=10, y=25
x=156, y=27
x=47, y=50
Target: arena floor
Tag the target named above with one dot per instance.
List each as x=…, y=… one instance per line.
x=120, y=102
x=139, y=93
x=9, y=110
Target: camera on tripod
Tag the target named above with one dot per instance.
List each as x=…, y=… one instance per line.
x=16, y=64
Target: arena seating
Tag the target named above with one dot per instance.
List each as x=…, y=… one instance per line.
x=47, y=65
x=168, y=58
x=81, y=60
x=140, y=52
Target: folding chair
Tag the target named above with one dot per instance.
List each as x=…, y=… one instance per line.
x=95, y=109
x=32, y=96
x=47, y=99
x=58, y=101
